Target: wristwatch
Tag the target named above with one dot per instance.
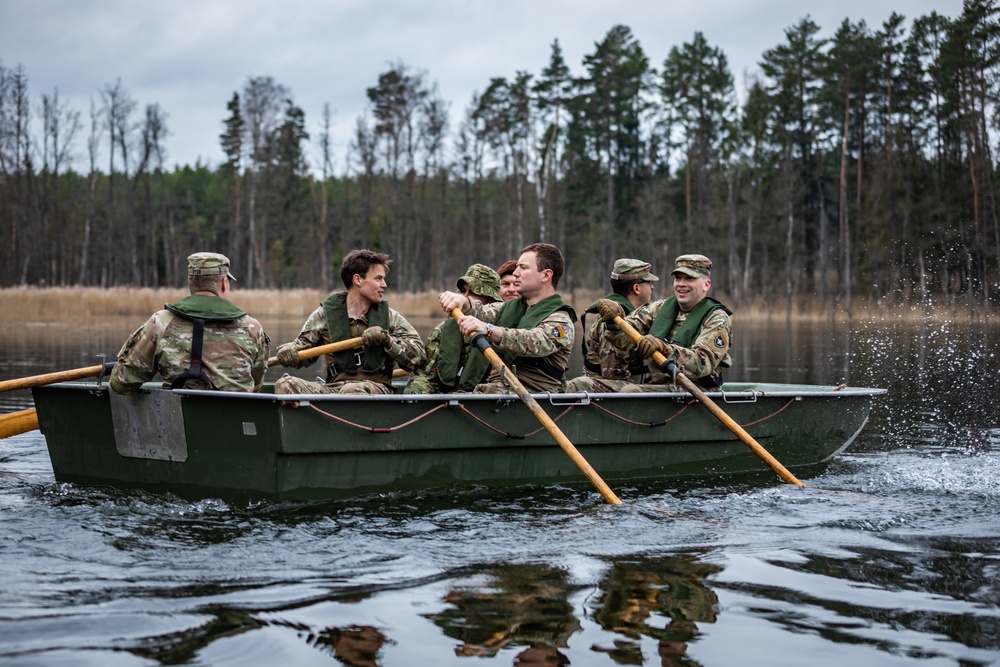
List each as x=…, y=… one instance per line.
x=489, y=330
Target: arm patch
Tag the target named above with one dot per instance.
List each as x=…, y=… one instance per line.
x=558, y=331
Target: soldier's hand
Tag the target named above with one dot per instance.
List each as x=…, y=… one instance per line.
x=648, y=344
x=288, y=355
x=376, y=337
x=609, y=310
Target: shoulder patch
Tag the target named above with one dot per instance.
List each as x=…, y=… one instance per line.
x=720, y=341
x=558, y=331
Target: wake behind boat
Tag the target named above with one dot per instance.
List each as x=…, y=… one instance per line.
x=241, y=446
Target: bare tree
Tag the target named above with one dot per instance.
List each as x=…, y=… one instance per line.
x=262, y=99
x=59, y=127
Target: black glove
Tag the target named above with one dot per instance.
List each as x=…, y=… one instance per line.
x=648, y=344
x=376, y=337
x=609, y=310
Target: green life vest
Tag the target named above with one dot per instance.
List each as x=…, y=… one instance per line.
x=371, y=363
x=687, y=333
x=448, y=362
x=208, y=308
x=201, y=308
x=515, y=314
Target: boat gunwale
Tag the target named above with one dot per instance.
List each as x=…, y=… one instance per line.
x=748, y=392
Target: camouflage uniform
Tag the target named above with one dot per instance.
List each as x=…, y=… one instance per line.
x=482, y=281
x=406, y=349
x=605, y=368
x=234, y=351
x=707, y=356
x=550, y=341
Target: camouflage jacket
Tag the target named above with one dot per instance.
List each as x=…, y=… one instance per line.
x=234, y=353
x=705, y=358
x=407, y=349
x=601, y=359
x=550, y=341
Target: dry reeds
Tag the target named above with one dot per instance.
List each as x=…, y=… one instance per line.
x=93, y=305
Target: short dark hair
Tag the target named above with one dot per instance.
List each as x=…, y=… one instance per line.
x=211, y=284
x=359, y=262
x=548, y=257
x=623, y=287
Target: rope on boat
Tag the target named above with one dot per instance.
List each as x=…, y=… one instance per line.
x=506, y=434
x=649, y=424
x=773, y=414
x=378, y=429
x=522, y=436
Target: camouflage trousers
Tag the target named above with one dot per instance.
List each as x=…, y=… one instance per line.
x=632, y=388
x=287, y=384
x=422, y=383
x=594, y=385
x=498, y=387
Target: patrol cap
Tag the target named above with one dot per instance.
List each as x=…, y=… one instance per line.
x=693, y=265
x=507, y=268
x=632, y=269
x=482, y=281
x=209, y=264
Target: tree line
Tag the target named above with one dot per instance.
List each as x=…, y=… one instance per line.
x=853, y=166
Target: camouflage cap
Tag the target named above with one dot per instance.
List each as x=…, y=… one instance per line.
x=482, y=281
x=693, y=265
x=632, y=269
x=209, y=264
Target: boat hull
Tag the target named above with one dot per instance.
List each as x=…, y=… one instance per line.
x=261, y=446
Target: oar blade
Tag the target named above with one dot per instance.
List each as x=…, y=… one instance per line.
x=16, y=423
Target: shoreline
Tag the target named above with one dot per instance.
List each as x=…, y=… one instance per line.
x=91, y=305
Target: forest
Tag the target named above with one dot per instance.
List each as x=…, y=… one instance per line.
x=853, y=168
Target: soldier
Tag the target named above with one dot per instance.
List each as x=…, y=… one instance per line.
x=508, y=283
x=388, y=337
x=691, y=328
x=201, y=342
x=532, y=333
x=606, y=369
x=447, y=349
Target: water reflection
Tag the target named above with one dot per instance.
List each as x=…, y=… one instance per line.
x=356, y=646
x=663, y=598
x=524, y=604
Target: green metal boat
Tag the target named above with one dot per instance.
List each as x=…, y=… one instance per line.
x=202, y=444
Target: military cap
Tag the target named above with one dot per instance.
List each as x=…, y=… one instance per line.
x=507, y=268
x=482, y=281
x=693, y=265
x=632, y=269
x=209, y=264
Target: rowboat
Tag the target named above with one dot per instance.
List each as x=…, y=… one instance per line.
x=244, y=447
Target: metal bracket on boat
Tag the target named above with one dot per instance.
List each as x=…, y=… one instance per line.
x=748, y=397
x=106, y=368
x=554, y=400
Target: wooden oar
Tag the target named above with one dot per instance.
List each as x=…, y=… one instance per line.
x=668, y=366
x=58, y=376
x=481, y=342
x=15, y=423
x=329, y=348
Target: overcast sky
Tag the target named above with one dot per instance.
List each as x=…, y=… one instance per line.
x=189, y=57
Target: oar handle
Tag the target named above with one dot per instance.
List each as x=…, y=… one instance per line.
x=670, y=368
x=481, y=342
x=329, y=348
x=58, y=376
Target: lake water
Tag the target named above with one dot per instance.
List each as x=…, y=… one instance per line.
x=890, y=556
